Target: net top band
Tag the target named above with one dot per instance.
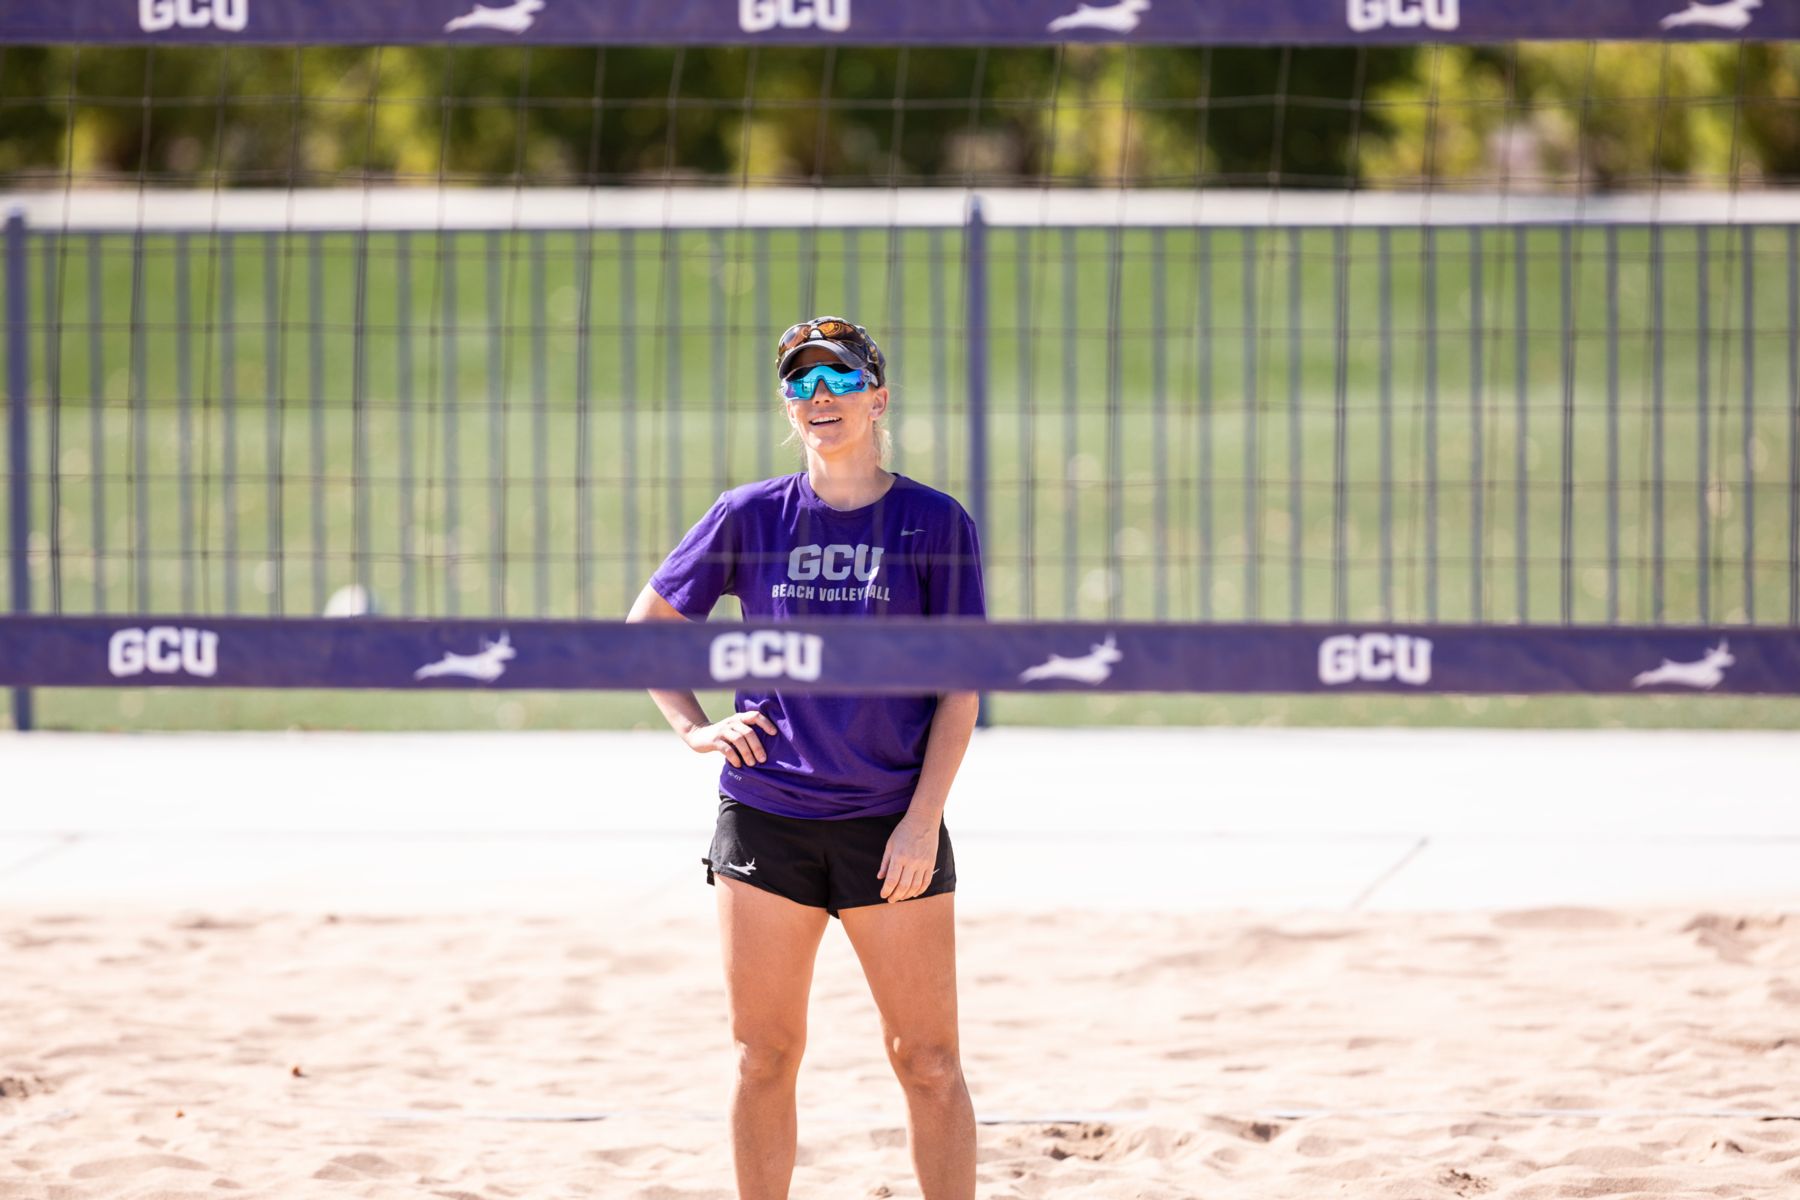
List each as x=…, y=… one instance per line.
x=868, y=22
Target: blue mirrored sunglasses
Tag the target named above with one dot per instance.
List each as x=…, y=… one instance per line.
x=841, y=382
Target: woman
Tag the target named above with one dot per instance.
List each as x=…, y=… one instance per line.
x=832, y=806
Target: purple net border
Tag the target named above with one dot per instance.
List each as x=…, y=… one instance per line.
x=886, y=22
x=893, y=656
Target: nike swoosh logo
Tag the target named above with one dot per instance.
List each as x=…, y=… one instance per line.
x=910, y=532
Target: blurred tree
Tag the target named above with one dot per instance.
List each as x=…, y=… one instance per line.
x=1558, y=115
x=1592, y=116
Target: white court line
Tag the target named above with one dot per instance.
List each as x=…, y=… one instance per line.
x=1100, y=1116
x=40, y=849
x=430, y=1115
x=1416, y=849
x=1115, y=1116
x=1552, y=1114
x=1172, y=1117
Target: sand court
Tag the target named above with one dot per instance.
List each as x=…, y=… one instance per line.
x=493, y=982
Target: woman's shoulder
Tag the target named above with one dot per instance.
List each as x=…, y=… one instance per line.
x=759, y=492
x=928, y=498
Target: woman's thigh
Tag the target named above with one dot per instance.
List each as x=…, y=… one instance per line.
x=770, y=944
x=908, y=954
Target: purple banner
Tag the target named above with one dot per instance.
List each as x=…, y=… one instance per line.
x=905, y=656
x=883, y=22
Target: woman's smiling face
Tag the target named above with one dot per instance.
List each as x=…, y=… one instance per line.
x=831, y=425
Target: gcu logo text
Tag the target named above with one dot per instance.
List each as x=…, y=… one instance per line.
x=1366, y=16
x=157, y=15
x=834, y=562
x=760, y=16
x=1375, y=658
x=163, y=650
x=766, y=654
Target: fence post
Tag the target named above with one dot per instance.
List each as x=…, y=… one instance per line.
x=18, y=447
x=975, y=316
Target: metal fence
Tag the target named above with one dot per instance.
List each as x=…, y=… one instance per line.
x=1180, y=408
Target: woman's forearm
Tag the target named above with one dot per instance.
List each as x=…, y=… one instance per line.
x=680, y=708
x=945, y=744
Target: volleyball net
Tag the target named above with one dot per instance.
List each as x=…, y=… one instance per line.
x=1366, y=347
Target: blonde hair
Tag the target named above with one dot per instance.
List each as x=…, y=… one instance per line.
x=884, y=437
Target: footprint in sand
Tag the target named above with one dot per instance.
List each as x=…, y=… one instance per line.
x=356, y=1166
x=1558, y=918
x=1461, y=1182
x=1250, y=1131
x=132, y=1166
x=1734, y=939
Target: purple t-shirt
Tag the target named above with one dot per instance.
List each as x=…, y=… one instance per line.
x=784, y=553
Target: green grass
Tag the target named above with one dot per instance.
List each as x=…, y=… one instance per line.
x=1140, y=467
x=202, y=709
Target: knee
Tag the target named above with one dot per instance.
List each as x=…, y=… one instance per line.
x=926, y=1066
x=769, y=1059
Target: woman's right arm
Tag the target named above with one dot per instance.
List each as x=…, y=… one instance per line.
x=734, y=737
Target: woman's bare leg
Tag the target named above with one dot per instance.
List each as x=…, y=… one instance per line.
x=908, y=953
x=770, y=944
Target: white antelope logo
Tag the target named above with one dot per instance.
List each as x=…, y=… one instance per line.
x=486, y=666
x=1092, y=667
x=514, y=18
x=1122, y=17
x=1708, y=672
x=1733, y=14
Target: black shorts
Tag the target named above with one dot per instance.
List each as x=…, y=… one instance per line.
x=822, y=864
